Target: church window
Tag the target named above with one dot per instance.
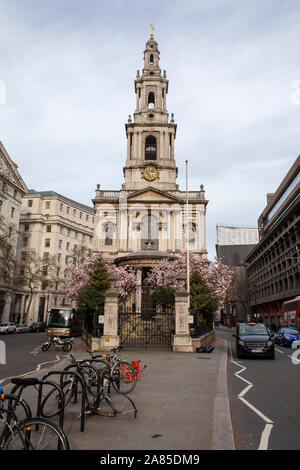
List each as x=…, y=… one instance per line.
x=149, y=232
x=151, y=100
x=151, y=59
x=150, y=148
x=108, y=235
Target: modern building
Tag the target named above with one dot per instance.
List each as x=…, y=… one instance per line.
x=233, y=245
x=146, y=219
x=51, y=226
x=12, y=190
x=274, y=264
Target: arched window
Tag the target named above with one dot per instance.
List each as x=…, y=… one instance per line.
x=151, y=59
x=108, y=235
x=151, y=100
x=150, y=148
x=149, y=232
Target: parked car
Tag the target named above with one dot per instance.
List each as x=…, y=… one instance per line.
x=22, y=328
x=37, y=326
x=286, y=336
x=6, y=328
x=253, y=339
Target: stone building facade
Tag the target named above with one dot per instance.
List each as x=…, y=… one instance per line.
x=51, y=225
x=12, y=189
x=147, y=218
x=274, y=264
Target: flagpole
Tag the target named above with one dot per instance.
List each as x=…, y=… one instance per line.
x=187, y=235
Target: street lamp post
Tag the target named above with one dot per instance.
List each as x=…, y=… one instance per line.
x=187, y=236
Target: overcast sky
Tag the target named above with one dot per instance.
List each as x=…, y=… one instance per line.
x=68, y=67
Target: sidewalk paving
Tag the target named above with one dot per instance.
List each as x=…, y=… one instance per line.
x=181, y=399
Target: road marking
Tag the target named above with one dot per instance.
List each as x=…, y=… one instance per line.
x=264, y=440
x=278, y=350
x=38, y=367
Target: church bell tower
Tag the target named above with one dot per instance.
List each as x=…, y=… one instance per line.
x=151, y=134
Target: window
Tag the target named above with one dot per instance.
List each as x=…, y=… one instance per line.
x=59, y=244
x=29, y=203
x=24, y=242
x=47, y=242
x=48, y=228
x=80, y=215
x=68, y=245
x=26, y=228
x=150, y=148
x=86, y=217
x=61, y=229
x=68, y=209
x=1, y=204
x=15, y=193
x=47, y=205
x=108, y=235
x=61, y=207
x=151, y=100
x=151, y=59
x=74, y=212
x=23, y=255
x=12, y=212
x=149, y=232
x=58, y=257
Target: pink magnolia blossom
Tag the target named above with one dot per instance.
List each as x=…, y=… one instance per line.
x=78, y=277
x=217, y=275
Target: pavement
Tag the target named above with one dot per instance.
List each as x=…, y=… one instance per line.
x=181, y=398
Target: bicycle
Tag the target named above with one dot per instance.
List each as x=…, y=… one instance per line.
x=97, y=396
x=125, y=375
x=29, y=433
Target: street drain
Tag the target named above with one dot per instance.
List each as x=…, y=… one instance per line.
x=156, y=435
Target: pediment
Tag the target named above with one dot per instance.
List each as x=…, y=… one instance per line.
x=151, y=194
x=9, y=170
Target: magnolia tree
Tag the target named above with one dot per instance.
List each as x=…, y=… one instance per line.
x=217, y=276
x=79, y=276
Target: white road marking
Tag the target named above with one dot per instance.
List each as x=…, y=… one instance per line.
x=264, y=440
x=278, y=350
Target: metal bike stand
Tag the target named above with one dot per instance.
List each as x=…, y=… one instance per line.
x=99, y=382
x=40, y=384
x=83, y=387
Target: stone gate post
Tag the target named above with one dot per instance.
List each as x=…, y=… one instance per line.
x=182, y=341
x=110, y=338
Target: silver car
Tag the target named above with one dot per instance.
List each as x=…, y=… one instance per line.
x=6, y=328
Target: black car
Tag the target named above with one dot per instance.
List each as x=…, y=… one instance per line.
x=253, y=339
x=37, y=326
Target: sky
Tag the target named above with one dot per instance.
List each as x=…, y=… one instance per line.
x=67, y=71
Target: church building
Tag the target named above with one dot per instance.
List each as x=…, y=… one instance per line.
x=147, y=219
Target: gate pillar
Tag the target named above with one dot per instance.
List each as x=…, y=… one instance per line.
x=110, y=338
x=182, y=341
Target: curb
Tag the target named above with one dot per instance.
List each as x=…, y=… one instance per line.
x=223, y=438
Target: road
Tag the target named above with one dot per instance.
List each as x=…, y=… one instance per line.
x=24, y=355
x=264, y=398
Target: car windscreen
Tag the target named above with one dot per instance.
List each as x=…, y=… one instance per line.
x=258, y=329
x=290, y=331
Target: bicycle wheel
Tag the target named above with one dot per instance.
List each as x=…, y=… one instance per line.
x=37, y=434
x=118, y=406
x=91, y=378
x=123, y=376
x=21, y=411
x=51, y=404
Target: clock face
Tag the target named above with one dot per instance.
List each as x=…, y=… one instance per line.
x=150, y=173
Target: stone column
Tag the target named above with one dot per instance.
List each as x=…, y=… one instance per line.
x=182, y=341
x=110, y=338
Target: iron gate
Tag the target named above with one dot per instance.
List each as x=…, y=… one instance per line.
x=147, y=329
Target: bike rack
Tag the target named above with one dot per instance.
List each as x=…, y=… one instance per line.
x=83, y=388
x=99, y=381
x=40, y=384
